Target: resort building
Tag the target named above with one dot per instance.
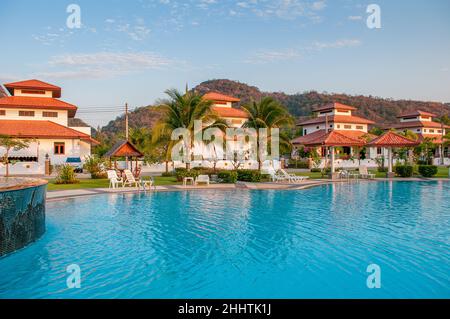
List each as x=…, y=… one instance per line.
x=223, y=106
x=31, y=110
x=422, y=124
x=349, y=132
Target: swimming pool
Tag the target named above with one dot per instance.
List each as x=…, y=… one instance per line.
x=314, y=243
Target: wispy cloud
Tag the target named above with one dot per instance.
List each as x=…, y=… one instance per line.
x=268, y=56
x=343, y=43
x=103, y=64
x=271, y=56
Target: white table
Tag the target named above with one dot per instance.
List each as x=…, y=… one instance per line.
x=188, y=179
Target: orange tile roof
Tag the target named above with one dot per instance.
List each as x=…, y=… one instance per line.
x=332, y=106
x=42, y=103
x=415, y=113
x=223, y=111
x=40, y=129
x=332, y=138
x=425, y=124
x=34, y=84
x=337, y=118
x=392, y=139
x=219, y=97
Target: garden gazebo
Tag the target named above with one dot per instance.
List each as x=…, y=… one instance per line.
x=124, y=148
x=392, y=140
x=330, y=140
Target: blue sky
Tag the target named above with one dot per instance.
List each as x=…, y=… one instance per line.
x=131, y=51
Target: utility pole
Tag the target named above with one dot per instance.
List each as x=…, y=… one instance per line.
x=126, y=121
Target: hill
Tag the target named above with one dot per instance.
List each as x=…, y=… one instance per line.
x=380, y=110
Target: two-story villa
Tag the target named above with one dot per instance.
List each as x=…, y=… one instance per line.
x=223, y=106
x=421, y=123
x=335, y=117
x=33, y=111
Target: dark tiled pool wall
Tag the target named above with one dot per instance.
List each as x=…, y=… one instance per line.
x=22, y=217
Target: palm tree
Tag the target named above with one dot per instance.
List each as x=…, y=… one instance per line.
x=9, y=144
x=181, y=111
x=268, y=113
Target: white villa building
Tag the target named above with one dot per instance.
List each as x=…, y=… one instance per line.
x=339, y=118
x=422, y=124
x=31, y=110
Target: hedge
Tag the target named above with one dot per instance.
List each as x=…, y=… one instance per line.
x=428, y=170
x=227, y=176
x=247, y=175
x=404, y=170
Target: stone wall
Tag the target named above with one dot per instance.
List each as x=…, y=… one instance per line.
x=22, y=212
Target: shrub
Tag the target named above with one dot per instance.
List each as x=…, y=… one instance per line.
x=428, y=170
x=316, y=170
x=227, y=176
x=93, y=165
x=247, y=175
x=404, y=170
x=180, y=173
x=66, y=175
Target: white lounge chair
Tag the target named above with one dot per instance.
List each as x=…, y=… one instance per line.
x=130, y=180
x=363, y=173
x=114, y=180
x=274, y=176
x=293, y=178
x=202, y=179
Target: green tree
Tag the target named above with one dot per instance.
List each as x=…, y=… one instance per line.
x=268, y=113
x=181, y=111
x=10, y=143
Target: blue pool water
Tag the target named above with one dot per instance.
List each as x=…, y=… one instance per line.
x=242, y=244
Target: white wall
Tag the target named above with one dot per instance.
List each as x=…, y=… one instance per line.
x=13, y=114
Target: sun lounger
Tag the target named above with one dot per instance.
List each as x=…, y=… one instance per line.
x=363, y=173
x=202, y=179
x=114, y=180
x=293, y=178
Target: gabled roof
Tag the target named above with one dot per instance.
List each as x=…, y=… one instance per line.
x=229, y=112
x=426, y=124
x=416, y=113
x=34, y=84
x=219, y=97
x=331, y=138
x=392, y=139
x=42, y=103
x=124, y=148
x=336, y=118
x=333, y=106
x=41, y=129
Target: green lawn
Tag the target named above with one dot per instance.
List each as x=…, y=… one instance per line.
x=103, y=183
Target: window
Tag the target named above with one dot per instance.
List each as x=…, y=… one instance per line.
x=236, y=121
x=431, y=131
x=439, y=131
x=50, y=114
x=2, y=112
x=347, y=127
x=26, y=113
x=379, y=151
x=359, y=127
x=59, y=148
x=305, y=131
x=331, y=125
x=418, y=130
x=317, y=127
x=33, y=92
x=339, y=126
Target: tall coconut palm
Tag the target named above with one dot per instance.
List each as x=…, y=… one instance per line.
x=181, y=111
x=268, y=113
